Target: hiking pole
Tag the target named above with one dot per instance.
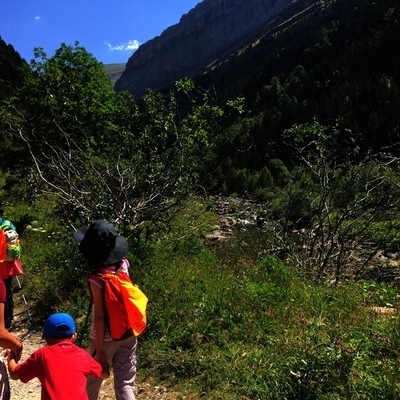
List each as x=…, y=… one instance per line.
x=23, y=296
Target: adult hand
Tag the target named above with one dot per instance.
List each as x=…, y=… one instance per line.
x=105, y=370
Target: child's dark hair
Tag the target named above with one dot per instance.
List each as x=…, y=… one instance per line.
x=60, y=329
x=59, y=337
x=94, y=268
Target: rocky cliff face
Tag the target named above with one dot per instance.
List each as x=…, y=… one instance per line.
x=208, y=33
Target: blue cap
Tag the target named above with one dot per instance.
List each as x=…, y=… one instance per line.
x=59, y=325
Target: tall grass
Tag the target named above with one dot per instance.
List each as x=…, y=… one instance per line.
x=257, y=330
x=235, y=327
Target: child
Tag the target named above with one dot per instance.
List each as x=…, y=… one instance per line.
x=105, y=250
x=10, y=264
x=62, y=367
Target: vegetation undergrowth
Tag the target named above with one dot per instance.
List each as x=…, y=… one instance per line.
x=226, y=328
x=261, y=332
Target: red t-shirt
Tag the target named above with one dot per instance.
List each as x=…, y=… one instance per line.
x=62, y=369
x=3, y=295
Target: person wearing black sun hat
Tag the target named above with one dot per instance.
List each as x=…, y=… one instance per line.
x=100, y=243
x=105, y=251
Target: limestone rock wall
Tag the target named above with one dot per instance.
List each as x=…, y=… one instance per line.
x=207, y=33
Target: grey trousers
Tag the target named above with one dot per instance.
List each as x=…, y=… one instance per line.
x=4, y=382
x=121, y=356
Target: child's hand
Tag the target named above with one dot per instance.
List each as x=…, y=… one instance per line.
x=13, y=354
x=10, y=354
x=18, y=353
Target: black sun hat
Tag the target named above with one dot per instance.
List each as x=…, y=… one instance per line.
x=100, y=243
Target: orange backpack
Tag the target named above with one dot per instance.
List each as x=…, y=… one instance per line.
x=10, y=251
x=125, y=304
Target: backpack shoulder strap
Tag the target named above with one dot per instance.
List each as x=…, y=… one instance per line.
x=98, y=275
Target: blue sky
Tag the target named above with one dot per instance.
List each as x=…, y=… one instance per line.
x=111, y=30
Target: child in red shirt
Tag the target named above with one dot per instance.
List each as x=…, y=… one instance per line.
x=62, y=367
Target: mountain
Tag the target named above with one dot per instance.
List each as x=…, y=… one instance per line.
x=10, y=64
x=204, y=36
x=114, y=71
x=336, y=65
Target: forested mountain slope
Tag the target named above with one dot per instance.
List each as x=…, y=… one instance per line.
x=10, y=79
x=339, y=67
x=10, y=62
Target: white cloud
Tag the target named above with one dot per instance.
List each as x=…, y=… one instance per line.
x=131, y=45
x=37, y=18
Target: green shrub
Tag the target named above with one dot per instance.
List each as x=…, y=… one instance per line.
x=229, y=326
